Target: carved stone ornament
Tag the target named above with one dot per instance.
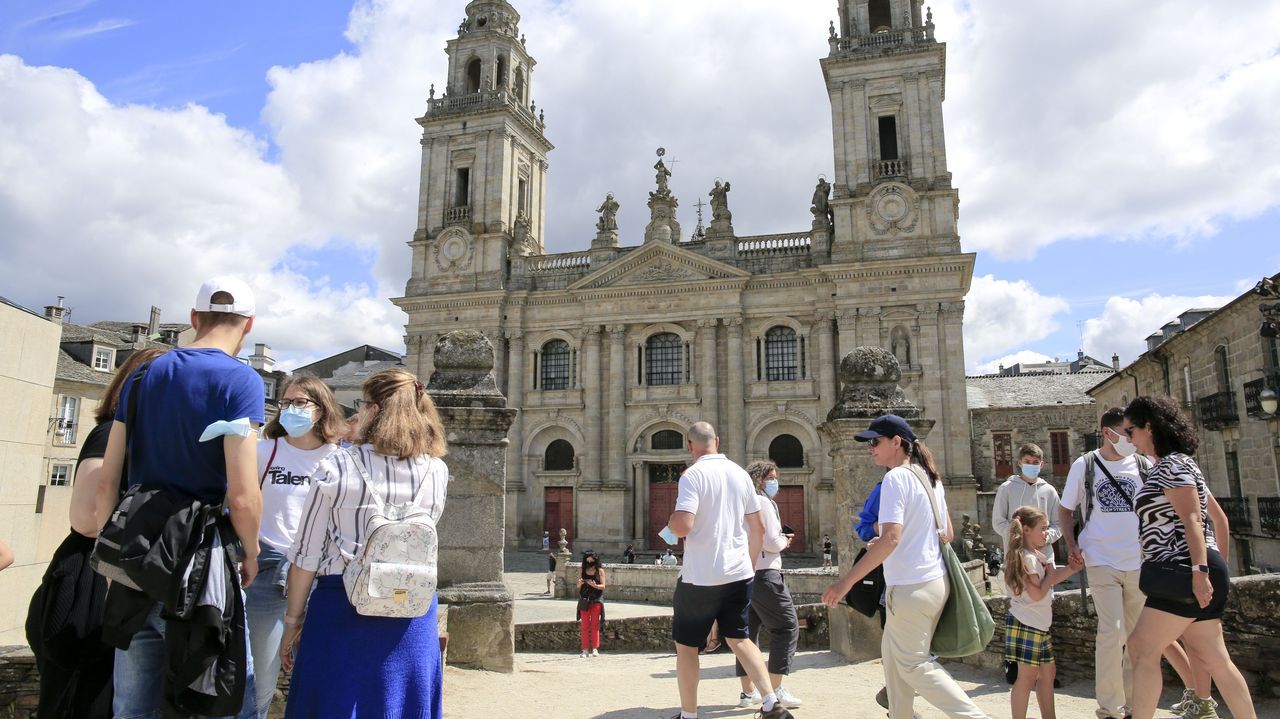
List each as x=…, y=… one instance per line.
x=453, y=250
x=661, y=271
x=893, y=208
x=869, y=386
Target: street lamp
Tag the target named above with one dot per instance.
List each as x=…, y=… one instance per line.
x=1267, y=401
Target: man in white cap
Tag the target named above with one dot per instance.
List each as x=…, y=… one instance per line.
x=180, y=395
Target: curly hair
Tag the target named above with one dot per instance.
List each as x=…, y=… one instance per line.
x=759, y=469
x=1171, y=430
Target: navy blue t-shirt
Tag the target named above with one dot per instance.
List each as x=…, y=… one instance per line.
x=184, y=391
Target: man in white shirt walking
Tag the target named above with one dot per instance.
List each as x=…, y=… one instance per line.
x=1102, y=485
x=719, y=518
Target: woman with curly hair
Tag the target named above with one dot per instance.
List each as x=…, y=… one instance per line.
x=1183, y=575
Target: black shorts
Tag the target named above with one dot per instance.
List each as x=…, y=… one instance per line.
x=1219, y=577
x=695, y=608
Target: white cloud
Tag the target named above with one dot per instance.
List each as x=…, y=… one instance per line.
x=1125, y=323
x=1023, y=356
x=1000, y=315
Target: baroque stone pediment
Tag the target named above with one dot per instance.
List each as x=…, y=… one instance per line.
x=658, y=263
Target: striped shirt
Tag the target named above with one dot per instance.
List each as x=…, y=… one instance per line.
x=339, y=505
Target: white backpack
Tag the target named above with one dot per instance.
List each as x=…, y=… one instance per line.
x=395, y=573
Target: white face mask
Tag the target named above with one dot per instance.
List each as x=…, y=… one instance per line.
x=1122, y=445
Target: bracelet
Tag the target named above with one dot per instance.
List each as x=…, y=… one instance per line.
x=294, y=621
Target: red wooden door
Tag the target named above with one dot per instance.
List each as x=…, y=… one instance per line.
x=662, y=502
x=558, y=513
x=790, y=501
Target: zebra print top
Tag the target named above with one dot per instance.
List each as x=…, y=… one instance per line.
x=1163, y=535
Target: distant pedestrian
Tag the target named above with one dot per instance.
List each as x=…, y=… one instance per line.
x=546, y=540
x=718, y=516
x=591, y=584
x=551, y=570
x=771, y=605
x=629, y=554
x=669, y=559
x=826, y=550
x=1029, y=576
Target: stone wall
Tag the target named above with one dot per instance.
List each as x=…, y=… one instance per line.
x=639, y=634
x=1251, y=624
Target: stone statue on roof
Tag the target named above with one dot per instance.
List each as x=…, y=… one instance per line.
x=720, y=202
x=608, y=214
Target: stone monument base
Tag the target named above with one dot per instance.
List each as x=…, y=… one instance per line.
x=481, y=626
x=854, y=636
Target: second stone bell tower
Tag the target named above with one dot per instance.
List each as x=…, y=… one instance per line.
x=484, y=159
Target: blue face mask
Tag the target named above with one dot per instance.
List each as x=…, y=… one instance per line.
x=1031, y=471
x=770, y=487
x=296, y=421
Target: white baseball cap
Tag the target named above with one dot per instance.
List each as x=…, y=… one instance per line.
x=242, y=297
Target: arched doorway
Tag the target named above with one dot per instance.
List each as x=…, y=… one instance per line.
x=663, y=487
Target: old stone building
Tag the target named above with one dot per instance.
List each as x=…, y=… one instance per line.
x=1217, y=364
x=612, y=351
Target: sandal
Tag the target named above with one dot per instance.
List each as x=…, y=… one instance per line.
x=712, y=645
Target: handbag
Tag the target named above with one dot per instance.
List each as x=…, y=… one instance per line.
x=965, y=626
x=864, y=597
x=1169, y=581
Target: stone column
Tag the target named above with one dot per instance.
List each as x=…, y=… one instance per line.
x=592, y=389
x=870, y=378
x=825, y=375
x=639, y=504
x=707, y=366
x=517, y=498
x=617, y=464
x=481, y=620
x=733, y=433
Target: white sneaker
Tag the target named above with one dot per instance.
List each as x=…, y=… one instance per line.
x=595, y=652
x=787, y=699
x=746, y=700
x=1188, y=696
x=583, y=655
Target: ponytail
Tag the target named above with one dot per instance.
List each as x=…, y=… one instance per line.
x=921, y=455
x=1015, y=572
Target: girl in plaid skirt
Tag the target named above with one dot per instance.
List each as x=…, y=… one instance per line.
x=1029, y=576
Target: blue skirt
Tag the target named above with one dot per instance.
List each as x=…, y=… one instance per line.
x=353, y=666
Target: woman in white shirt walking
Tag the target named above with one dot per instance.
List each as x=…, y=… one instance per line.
x=915, y=577
x=350, y=665
x=771, y=605
x=305, y=433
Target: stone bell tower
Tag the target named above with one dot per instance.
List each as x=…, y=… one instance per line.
x=484, y=159
x=886, y=78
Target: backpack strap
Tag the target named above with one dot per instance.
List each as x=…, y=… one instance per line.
x=419, y=495
x=262, y=482
x=378, y=501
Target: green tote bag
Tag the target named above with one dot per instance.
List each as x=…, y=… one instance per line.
x=965, y=626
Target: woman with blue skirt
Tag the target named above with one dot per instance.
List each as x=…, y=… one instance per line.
x=346, y=664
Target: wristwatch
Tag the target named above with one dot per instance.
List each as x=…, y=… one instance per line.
x=1202, y=568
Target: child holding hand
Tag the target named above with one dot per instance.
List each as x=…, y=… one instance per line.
x=1029, y=576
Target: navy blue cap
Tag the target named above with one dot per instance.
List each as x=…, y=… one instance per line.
x=888, y=425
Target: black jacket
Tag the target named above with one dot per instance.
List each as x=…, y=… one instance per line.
x=182, y=553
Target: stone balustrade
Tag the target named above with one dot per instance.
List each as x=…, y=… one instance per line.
x=792, y=243
x=457, y=214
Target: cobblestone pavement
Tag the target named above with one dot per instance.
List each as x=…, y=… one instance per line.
x=643, y=686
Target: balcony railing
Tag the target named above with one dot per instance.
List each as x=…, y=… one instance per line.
x=887, y=169
x=1237, y=509
x=1252, y=390
x=457, y=214
x=1269, y=514
x=795, y=243
x=883, y=40
x=568, y=262
x=1219, y=410
x=483, y=101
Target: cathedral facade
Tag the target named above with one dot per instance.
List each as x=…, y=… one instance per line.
x=612, y=351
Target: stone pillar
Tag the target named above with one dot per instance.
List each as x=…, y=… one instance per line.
x=476, y=420
x=517, y=498
x=617, y=464
x=639, y=503
x=708, y=376
x=870, y=378
x=592, y=389
x=733, y=433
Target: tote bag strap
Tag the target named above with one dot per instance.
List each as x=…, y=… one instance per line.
x=933, y=498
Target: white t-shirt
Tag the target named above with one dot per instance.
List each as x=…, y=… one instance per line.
x=1110, y=539
x=284, y=488
x=719, y=494
x=903, y=501
x=1038, y=614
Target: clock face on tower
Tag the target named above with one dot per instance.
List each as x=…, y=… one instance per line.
x=453, y=250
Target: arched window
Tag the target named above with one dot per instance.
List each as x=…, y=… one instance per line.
x=662, y=361
x=667, y=439
x=555, y=365
x=518, y=86
x=501, y=81
x=559, y=457
x=780, y=354
x=786, y=451
x=880, y=16
x=473, y=75
x=1221, y=369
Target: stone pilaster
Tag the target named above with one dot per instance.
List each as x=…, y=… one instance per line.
x=592, y=389
x=476, y=420
x=515, y=398
x=617, y=462
x=824, y=370
x=708, y=376
x=869, y=376
x=733, y=432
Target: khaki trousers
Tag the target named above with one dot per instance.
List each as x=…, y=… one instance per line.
x=912, y=613
x=1117, y=602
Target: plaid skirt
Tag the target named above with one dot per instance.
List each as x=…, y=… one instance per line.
x=1026, y=645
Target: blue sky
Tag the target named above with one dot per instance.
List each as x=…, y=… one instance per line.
x=1108, y=175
